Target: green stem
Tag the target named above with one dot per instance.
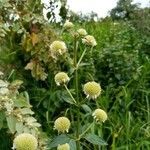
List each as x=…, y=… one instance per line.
x=70, y=93
x=75, y=51
x=81, y=58
x=81, y=135
x=77, y=92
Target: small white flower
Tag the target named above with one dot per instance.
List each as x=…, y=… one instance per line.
x=4, y=91
x=3, y=84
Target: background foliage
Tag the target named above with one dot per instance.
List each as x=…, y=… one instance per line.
x=120, y=63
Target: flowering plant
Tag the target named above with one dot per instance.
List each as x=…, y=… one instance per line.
x=70, y=127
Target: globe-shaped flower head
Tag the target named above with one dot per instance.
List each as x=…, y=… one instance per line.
x=63, y=147
x=68, y=25
x=62, y=124
x=61, y=78
x=82, y=32
x=58, y=48
x=25, y=141
x=100, y=115
x=89, y=40
x=92, y=89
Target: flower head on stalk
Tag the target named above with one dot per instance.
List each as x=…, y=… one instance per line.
x=63, y=147
x=89, y=40
x=92, y=89
x=58, y=48
x=62, y=124
x=100, y=115
x=61, y=78
x=68, y=25
x=25, y=141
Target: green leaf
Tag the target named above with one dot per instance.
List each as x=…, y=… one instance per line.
x=86, y=108
x=63, y=95
x=21, y=102
x=94, y=139
x=72, y=144
x=19, y=127
x=11, y=122
x=60, y=139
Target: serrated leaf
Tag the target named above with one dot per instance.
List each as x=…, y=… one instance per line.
x=94, y=139
x=60, y=139
x=11, y=122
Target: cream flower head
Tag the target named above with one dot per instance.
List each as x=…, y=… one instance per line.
x=92, y=89
x=82, y=32
x=25, y=141
x=89, y=40
x=62, y=124
x=58, y=48
x=63, y=147
x=61, y=78
x=100, y=115
x=68, y=25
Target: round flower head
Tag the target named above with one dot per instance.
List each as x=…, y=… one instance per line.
x=92, y=89
x=25, y=141
x=62, y=124
x=63, y=147
x=100, y=115
x=61, y=78
x=68, y=25
x=82, y=32
x=89, y=40
x=58, y=48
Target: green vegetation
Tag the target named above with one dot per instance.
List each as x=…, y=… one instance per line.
x=36, y=98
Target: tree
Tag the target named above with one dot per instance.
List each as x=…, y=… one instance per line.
x=123, y=10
